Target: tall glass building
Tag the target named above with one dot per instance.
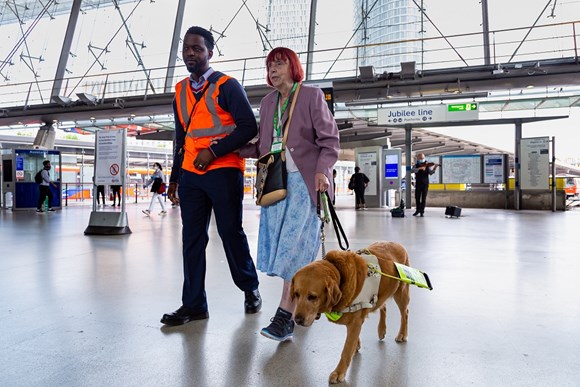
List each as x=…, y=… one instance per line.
x=288, y=23
x=388, y=21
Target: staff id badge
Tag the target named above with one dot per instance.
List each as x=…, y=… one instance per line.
x=276, y=147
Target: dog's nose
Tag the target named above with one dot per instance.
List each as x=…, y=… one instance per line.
x=299, y=320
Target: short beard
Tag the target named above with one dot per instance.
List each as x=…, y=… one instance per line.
x=198, y=68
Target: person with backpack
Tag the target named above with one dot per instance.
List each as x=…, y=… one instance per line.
x=210, y=105
x=44, y=181
x=358, y=183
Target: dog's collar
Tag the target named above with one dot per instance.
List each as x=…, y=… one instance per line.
x=333, y=316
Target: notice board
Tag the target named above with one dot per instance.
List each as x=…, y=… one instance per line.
x=535, y=165
x=461, y=169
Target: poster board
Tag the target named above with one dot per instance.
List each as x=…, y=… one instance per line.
x=461, y=169
x=436, y=177
x=109, y=157
x=493, y=169
x=535, y=163
x=367, y=162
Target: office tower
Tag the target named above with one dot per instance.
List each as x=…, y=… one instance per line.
x=388, y=21
x=287, y=21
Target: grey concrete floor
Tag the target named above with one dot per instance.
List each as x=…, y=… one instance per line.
x=80, y=310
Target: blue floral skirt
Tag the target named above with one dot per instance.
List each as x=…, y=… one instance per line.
x=289, y=234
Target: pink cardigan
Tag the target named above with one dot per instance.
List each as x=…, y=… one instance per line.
x=312, y=138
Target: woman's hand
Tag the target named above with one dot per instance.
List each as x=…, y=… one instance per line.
x=321, y=182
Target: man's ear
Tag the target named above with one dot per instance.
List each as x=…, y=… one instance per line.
x=210, y=54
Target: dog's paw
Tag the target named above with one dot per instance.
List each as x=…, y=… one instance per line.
x=382, y=334
x=336, y=377
x=401, y=339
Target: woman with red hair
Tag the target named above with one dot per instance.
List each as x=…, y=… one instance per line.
x=289, y=229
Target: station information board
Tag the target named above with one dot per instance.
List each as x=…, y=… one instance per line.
x=461, y=169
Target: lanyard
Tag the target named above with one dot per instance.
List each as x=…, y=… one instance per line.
x=280, y=114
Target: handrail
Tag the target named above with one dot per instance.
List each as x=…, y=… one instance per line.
x=251, y=70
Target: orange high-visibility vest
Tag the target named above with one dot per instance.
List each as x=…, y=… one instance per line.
x=209, y=121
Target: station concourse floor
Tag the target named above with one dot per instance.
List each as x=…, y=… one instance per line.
x=80, y=310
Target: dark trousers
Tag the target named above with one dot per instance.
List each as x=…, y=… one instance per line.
x=116, y=194
x=421, y=197
x=221, y=190
x=359, y=197
x=101, y=193
x=44, y=192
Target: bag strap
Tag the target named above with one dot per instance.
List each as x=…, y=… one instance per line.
x=213, y=78
x=329, y=208
x=286, y=130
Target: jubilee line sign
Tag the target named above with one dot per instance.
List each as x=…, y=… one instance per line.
x=428, y=114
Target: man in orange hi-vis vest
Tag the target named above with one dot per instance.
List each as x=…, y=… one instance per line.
x=213, y=119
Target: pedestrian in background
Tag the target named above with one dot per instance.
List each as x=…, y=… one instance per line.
x=156, y=182
x=422, y=172
x=358, y=183
x=100, y=194
x=44, y=187
x=116, y=194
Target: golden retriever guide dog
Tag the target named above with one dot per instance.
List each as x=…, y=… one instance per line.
x=330, y=285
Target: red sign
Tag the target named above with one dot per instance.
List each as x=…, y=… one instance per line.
x=114, y=169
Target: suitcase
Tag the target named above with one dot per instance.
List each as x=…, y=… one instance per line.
x=453, y=211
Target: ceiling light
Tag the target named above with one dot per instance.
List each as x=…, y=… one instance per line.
x=367, y=73
x=87, y=98
x=61, y=100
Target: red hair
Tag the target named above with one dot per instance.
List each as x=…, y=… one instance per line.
x=286, y=54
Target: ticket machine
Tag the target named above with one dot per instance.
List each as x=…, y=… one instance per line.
x=19, y=166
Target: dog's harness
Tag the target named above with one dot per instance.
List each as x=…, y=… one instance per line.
x=368, y=296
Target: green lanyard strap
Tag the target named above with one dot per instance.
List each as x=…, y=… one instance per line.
x=277, y=128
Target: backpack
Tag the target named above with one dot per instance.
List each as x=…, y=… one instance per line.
x=38, y=177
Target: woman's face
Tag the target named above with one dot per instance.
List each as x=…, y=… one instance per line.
x=279, y=72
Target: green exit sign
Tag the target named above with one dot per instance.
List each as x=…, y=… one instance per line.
x=462, y=107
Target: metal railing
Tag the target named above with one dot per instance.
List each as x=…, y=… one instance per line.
x=550, y=41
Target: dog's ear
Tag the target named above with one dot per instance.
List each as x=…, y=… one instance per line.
x=352, y=269
x=333, y=295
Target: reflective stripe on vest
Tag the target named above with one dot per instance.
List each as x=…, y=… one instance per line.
x=200, y=131
x=217, y=127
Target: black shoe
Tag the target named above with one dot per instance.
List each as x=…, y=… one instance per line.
x=183, y=315
x=421, y=215
x=415, y=213
x=281, y=326
x=253, y=302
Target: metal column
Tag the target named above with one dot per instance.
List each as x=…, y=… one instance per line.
x=408, y=166
x=174, y=47
x=517, y=166
x=311, y=32
x=485, y=26
x=66, y=44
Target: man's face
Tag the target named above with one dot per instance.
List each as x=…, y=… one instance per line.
x=47, y=167
x=195, y=54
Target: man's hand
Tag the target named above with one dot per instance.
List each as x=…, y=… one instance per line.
x=203, y=159
x=321, y=182
x=172, y=193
